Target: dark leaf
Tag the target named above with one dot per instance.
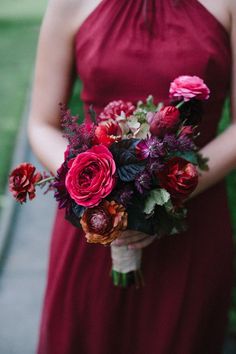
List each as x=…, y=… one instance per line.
x=74, y=213
x=190, y=156
x=92, y=114
x=124, y=154
x=202, y=162
x=127, y=173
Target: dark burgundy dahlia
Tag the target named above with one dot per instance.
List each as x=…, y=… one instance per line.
x=104, y=223
x=22, y=182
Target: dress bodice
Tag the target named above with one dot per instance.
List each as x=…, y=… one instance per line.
x=119, y=57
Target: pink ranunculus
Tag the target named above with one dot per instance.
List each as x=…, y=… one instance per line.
x=91, y=176
x=187, y=87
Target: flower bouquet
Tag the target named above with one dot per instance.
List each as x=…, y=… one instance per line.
x=130, y=167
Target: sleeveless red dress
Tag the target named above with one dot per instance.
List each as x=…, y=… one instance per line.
x=183, y=307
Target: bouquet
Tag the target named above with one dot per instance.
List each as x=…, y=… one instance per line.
x=130, y=167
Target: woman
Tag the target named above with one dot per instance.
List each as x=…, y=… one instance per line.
x=126, y=50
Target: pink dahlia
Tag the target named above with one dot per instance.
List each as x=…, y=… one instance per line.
x=115, y=109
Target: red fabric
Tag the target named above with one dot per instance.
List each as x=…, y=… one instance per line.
x=183, y=307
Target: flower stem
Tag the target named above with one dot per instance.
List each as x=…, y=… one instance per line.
x=45, y=180
x=180, y=104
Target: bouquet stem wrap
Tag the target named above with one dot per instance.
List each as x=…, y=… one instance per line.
x=126, y=264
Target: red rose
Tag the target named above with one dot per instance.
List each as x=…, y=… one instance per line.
x=179, y=177
x=117, y=108
x=104, y=223
x=22, y=182
x=187, y=87
x=107, y=133
x=165, y=121
x=91, y=176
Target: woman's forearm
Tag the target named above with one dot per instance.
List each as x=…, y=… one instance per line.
x=222, y=159
x=48, y=145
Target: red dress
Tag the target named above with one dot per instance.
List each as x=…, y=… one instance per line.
x=183, y=307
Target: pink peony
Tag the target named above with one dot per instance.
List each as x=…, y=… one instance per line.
x=187, y=87
x=115, y=109
x=91, y=176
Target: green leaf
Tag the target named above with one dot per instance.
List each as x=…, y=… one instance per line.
x=189, y=156
x=156, y=197
x=202, y=162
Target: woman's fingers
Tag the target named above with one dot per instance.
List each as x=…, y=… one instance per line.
x=143, y=243
x=130, y=233
x=131, y=239
x=134, y=239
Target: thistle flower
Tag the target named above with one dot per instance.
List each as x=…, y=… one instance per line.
x=151, y=147
x=155, y=165
x=186, y=143
x=181, y=143
x=126, y=195
x=143, y=182
x=170, y=142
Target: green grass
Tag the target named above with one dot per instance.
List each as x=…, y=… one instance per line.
x=19, y=25
x=23, y=9
x=17, y=45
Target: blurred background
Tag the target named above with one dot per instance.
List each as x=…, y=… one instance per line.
x=25, y=230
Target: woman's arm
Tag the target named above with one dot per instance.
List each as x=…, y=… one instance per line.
x=54, y=76
x=222, y=150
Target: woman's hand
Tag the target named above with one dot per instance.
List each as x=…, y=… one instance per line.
x=134, y=239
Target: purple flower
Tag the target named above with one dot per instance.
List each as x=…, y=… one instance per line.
x=155, y=166
x=181, y=143
x=125, y=196
x=151, y=147
x=61, y=194
x=143, y=182
x=171, y=142
x=186, y=143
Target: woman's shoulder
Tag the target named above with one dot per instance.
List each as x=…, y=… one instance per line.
x=63, y=15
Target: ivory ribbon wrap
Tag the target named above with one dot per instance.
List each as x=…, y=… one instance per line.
x=125, y=260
